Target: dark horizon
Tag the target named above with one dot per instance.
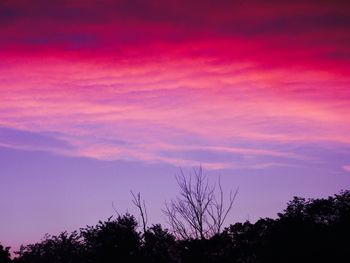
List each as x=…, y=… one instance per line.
x=312, y=230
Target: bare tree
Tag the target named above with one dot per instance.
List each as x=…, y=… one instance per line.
x=197, y=212
x=141, y=206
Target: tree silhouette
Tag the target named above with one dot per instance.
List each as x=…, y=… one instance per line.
x=112, y=240
x=197, y=212
x=308, y=230
x=159, y=245
x=64, y=248
x=5, y=254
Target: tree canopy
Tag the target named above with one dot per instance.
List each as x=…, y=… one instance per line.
x=308, y=230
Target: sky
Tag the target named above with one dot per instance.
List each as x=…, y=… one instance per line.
x=98, y=98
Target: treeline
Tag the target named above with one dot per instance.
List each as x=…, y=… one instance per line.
x=313, y=230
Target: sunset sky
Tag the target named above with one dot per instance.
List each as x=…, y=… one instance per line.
x=98, y=98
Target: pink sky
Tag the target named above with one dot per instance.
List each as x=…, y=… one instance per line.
x=248, y=90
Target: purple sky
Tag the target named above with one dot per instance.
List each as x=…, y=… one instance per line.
x=98, y=98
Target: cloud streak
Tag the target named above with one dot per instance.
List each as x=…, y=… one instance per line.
x=168, y=103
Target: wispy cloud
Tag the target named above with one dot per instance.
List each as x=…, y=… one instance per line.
x=346, y=168
x=174, y=106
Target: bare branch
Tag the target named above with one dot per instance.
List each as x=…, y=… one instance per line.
x=141, y=205
x=197, y=212
x=115, y=209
